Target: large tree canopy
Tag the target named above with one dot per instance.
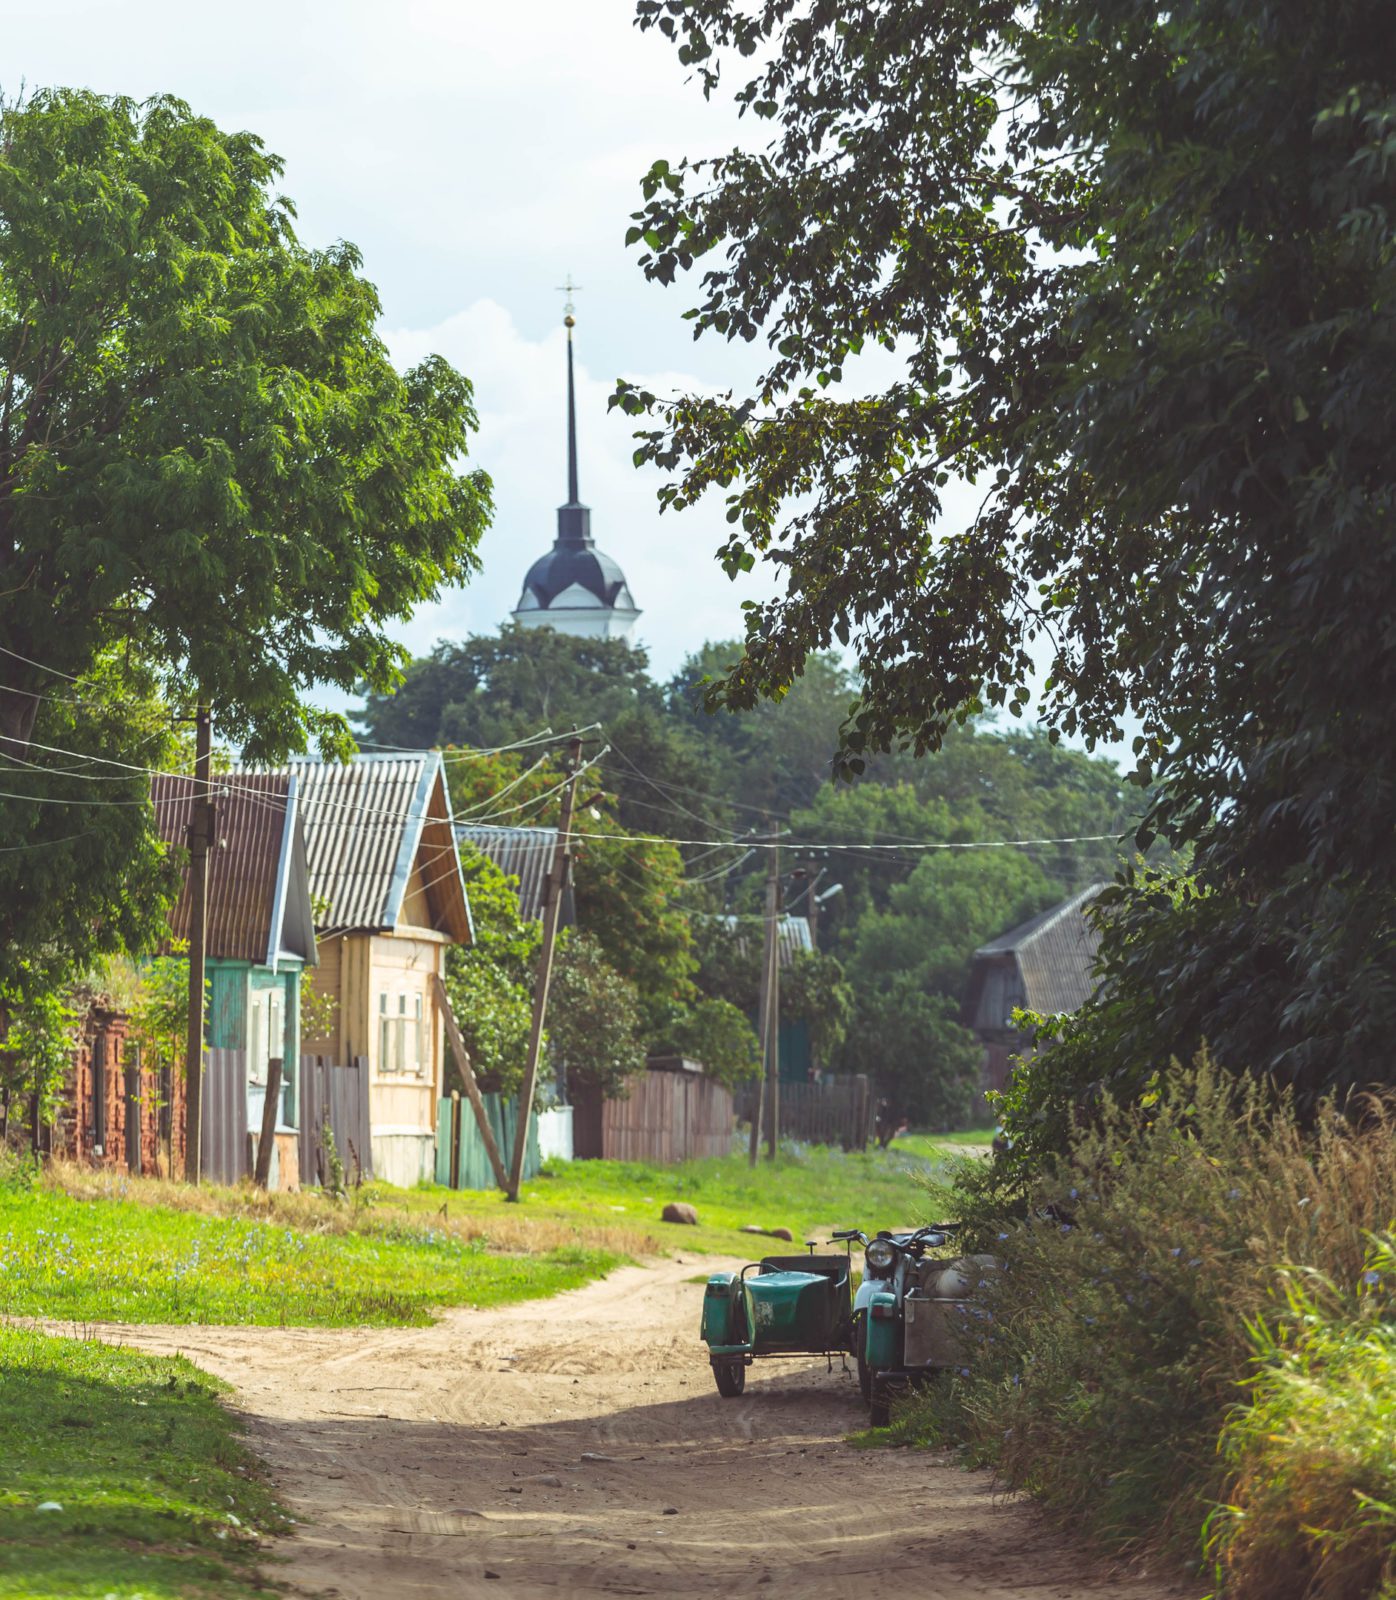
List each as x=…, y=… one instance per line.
x=206, y=456
x=1136, y=265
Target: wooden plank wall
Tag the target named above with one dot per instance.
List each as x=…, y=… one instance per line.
x=329, y=1089
x=455, y=1121
x=668, y=1116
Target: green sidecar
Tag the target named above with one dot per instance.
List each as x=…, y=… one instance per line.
x=780, y=1306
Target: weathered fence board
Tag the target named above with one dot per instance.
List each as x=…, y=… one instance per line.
x=668, y=1116
x=339, y=1093
x=818, y=1113
x=458, y=1135
x=223, y=1154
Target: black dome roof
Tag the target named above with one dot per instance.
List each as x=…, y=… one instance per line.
x=568, y=564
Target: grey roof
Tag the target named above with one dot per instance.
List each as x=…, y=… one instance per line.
x=524, y=853
x=367, y=821
x=1055, y=953
x=792, y=934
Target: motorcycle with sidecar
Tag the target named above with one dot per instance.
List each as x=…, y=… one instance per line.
x=779, y=1306
x=912, y=1310
x=907, y=1321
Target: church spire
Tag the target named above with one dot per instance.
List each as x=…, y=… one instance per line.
x=570, y=322
x=573, y=519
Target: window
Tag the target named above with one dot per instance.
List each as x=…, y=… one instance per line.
x=97, y=1132
x=401, y=1041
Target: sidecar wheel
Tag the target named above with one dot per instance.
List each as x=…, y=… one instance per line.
x=731, y=1378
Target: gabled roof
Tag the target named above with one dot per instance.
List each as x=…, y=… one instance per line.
x=1055, y=953
x=258, y=884
x=368, y=823
x=523, y=853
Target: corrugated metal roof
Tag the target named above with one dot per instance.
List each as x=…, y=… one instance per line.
x=1055, y=953
x=244, y=867
x=367, y=822
x=792, y=934
x=523, y=853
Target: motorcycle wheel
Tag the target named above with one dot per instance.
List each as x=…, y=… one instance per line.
x=731, y=1378
x=864, y=1370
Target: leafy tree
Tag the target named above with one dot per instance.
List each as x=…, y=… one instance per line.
x=1137, y=266
x=594, y=1026
x=717, y=1034
x=37, y=1052
x=628, y=900
x=812, y=987
x=205, y=453
x=490, y=982
x=83, y=875
x=925, y=1065
x=953, y=902
x=492, y=689
x=212, y=484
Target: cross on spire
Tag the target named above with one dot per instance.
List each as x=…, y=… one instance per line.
x=568, y=307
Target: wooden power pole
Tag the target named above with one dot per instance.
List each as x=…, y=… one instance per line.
x=773, y=899
x=770, y=980
x=200, y=839
x=553, y=889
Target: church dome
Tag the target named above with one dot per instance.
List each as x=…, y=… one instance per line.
x=576, y=588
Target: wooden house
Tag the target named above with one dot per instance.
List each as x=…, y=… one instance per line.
x=1046, y=965
x=260, y=937
x=389, y=900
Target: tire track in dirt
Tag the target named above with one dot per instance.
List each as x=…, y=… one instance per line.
x=576, y=1446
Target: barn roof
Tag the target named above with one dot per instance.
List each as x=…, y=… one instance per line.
x=258, y=894
x=1055, y=953
x=367, y=823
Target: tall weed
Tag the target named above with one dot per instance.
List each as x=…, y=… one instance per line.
x=1312, y=1498
x=1116, y=1340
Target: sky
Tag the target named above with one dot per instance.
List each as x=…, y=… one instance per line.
x=478, y=154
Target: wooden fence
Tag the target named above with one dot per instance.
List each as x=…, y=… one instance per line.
x=224, y=1156
x=668, y=1116
x=337, y=1094
x=839, y=1113
x=461, y=1158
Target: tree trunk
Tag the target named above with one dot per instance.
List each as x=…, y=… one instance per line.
x=18, y=709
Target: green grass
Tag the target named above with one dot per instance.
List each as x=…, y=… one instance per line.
x=100, y=1259
x=808, y=1190
x=936, y=1146
x=147, y=1468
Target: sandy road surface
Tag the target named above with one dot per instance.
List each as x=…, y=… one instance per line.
x=418, y=1463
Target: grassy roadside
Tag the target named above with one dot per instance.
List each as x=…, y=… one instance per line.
x=117, y=1253
x=808, y=1190
x=159, y=1499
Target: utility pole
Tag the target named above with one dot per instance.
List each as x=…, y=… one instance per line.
x=773, y=896
x=553, y=890
x=770, y=958
x=200, y=839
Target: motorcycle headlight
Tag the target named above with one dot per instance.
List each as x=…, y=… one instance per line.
x=879, y=1254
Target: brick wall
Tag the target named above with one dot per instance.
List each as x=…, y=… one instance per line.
x=113, y=1100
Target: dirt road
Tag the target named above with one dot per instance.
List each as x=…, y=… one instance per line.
x=577, y=1447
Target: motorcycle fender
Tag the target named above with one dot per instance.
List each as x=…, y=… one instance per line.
x=722, y=1328
x=882, y=1331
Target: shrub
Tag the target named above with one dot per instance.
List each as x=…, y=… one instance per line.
x=1115, y=1341
x=1312, y=1498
